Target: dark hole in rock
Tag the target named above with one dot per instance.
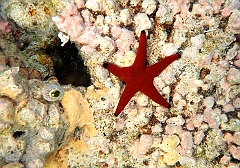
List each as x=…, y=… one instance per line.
x=17, y=134
x=68, y=65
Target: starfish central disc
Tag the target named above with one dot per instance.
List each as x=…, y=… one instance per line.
x=138, y=77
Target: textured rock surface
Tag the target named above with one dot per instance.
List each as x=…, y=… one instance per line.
x=201, y=129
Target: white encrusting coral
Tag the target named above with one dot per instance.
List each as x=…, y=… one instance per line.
x=201, y=129
x=149, y=6
x=142, y=22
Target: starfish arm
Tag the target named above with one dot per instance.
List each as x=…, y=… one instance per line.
x=150, y=90
x=140, y=60
x=127, y=94
x=157, y=68
x=118, y=71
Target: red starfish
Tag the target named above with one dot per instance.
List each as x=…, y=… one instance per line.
x=138, y=77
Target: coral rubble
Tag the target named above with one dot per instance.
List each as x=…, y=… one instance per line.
x=78, y=128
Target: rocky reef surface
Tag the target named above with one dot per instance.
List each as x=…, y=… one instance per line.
x=57, y=102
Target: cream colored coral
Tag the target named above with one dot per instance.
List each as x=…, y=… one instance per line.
x=76, y=110
x=170, y=143
x=13, y=85
x=169, y=146
x=171, y=157
x=89, y=129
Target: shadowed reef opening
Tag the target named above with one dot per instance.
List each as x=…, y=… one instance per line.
x=69, y=65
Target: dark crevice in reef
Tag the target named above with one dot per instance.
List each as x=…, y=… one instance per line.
x=18, y=134
x=191, y=3
x=68, y=65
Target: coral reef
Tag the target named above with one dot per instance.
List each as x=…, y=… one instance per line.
x=78, y=128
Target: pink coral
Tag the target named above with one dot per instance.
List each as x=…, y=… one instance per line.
x=235, y=151
x=186, y=147
x=173, y=129
x=236, y=103
x=212, y=117
x=140, y=146
x=233, y=76
x=235, y=138
x=224, y=84
x=82, y=30
x=125, y=40
x=194, y=121
x=5, y=27
x=116, y=31
x=225, y=160
x=216, y=4
x=70, y=22
x=174, y=125
x=198, y=137
x=176, y=120
x=237, y=63
x=234, y=22
x=237, y=59
x=179, y=6
x=208, y=102
x=228, y=108
x=80, y=3
x=234, y=4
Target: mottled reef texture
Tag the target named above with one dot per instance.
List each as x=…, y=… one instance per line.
x=57, y=47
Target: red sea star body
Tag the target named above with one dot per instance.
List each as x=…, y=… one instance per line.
x=138, y=77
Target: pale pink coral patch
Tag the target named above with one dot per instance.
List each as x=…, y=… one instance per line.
x=235, y=138
x=140, y=146
x=234, y=4
x=223, y=67
x=208, y=102
x=70, y=22
x=233, y=76
x=176, y=120
x=235, y=151
x=198, y=137
x=186, y=147
x=237, y=63
x=5, y=27
x=80, y=3
x=178, y=22
x=236, y=103
x=95, y=5
x=87, y=17
x=174, y=125
x=173, y=129
x=116, y=31
x=194, y=121
x=125, y=40
x=209, y=118
x=225, y=160
x=227, y=11
x=234, y=22
x=216, y=4
x=224, y=84
x=179, y=6
x=228, y=108
x=82, y=30
x=213, y=117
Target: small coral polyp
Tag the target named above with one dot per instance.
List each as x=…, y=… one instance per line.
x=53, y=92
